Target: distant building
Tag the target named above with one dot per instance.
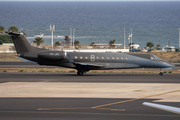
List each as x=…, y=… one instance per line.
x=136, y=46
x=100, y=45
x=8, y=44
x=169, y=48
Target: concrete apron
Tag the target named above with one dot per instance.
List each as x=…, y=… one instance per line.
x=167, y=92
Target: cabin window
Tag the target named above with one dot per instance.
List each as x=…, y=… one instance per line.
x=122, y=58
x=86, y=57
x=117, y=57
x=126, y=58
x=81, y=57
x=97, y=57
x=107, y=57
x=75, y=57
x=102, y=57
x=112, y=57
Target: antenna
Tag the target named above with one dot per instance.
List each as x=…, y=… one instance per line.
x=179, y=37
x=131, y=39
x=71, y=34
x=73, y=37
x=124, y=39
x=52, y=28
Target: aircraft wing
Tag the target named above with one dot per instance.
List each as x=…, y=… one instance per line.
x=84, y=65
x=163, y=107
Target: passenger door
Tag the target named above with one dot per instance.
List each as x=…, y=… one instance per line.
x=92, y=58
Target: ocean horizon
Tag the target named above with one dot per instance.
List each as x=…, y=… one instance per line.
x=98, y=22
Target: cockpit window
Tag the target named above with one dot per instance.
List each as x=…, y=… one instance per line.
x=156, y=57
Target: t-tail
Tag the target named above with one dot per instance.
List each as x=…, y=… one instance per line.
x=21, y=43
x=24, y=49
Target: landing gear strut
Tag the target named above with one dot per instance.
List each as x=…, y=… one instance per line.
x=80, y=73
x=161, y=73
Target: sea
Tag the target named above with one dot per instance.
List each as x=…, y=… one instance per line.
x=98, y=22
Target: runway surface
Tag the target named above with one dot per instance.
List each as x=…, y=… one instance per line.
x=79, y=109
x=91, y=77
x=86, y=108
x=20, y=64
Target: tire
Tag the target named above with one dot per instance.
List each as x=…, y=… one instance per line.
x=161, y=74
x=80, y=73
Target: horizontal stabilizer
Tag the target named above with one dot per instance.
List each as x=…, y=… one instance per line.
x=13, y=33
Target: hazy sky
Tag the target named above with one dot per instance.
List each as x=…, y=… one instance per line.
x=89, y=0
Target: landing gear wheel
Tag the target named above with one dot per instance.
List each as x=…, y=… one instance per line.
x=161, y=74
x=80, y=73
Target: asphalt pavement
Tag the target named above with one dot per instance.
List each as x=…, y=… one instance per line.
x=21, y=64
x=91, y=77
x=77, y=108
x=80, y=109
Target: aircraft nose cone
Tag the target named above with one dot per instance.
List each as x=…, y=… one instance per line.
x=170, y=64
x=173, y=65
x=167, y=64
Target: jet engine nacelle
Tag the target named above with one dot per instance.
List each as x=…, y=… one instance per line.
x=52, y=55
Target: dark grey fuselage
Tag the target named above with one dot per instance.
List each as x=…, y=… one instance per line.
x=85, y=61
x=107, y=60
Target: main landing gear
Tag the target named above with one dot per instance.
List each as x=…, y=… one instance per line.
x=161, y=73
x=80, y=72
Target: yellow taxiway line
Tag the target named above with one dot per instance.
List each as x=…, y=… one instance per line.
x=98, y=106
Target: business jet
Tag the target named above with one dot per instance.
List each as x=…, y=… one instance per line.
x=85, y=61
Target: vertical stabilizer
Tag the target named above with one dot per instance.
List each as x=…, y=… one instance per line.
x=21, y=43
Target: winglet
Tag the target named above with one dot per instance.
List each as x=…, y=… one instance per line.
x=70, y=59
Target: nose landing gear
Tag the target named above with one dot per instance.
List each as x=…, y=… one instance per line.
x=161, y=73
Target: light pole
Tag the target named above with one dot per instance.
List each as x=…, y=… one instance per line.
x=179, y=37
x=52, y=28
x=124, y=39
x=131, y=39
x=71, y=34
x=73, y=37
